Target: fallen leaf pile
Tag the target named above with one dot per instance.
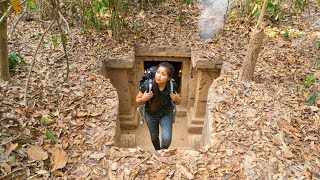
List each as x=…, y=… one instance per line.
x=262, y=130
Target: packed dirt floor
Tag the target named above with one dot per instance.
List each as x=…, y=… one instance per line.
x=180, y=139
x=264, y=129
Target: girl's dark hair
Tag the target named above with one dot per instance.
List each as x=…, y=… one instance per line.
x=155, y=101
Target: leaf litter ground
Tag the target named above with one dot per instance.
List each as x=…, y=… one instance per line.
x=263, y=130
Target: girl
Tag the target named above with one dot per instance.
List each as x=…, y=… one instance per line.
x=159, y=109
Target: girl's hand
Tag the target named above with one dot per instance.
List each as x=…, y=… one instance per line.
x=175, y=97
x=147, y=96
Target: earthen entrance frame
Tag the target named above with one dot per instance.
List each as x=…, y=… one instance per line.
x=198, y=74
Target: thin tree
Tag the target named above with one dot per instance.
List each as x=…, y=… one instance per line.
x=253, y=49
x=4, y=64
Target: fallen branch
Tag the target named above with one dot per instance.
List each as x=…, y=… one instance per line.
x=33, y=62
x=184, y=171
x=145, y=159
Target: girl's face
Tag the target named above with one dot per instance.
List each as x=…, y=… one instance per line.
x=161, y=76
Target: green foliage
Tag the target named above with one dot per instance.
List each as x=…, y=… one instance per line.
x=47, y=119
x=181, y=17
x=286, y=34
x=64, y=39
x=14, y=60
x=11, y=160
x=54, y=40
x=100, y=7
x=312, y=98
x=51, y=136
x=188, y=2
x=274, y=10
x=100, y=15
x=310, y=80
x=31, y=6
x=300, y=5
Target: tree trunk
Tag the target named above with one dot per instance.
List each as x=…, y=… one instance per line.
x=253, y=49
x=4, y=64
x=252, y=54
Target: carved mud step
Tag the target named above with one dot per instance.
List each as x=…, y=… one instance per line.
x=127, y=141
x=194, y=141
x=194, y=128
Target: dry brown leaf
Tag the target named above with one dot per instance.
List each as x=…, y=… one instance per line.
x=42, y=171
x=291, y=128
x=37, y=114
x=97, y=113
x=21, y=112
x=58, y=173
x=111, y=176
x=37, y=153
x=97, y=155
x=229, y=152
x=287, y=153
x=314, y=108
x=276, y=140
x=222, y=147
x=82, y=114
x=109, y=33
x=162, y=174
x=11, y=148
x=6, y=167
x=184, y=171
x=307, y=174
x=312, y=138
x=59, y=159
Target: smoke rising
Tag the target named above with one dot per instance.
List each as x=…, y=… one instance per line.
x=211, y=18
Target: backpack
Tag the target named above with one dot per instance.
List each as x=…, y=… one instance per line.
x=149, y=76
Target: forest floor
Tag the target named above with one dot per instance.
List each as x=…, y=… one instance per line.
x=280, y=140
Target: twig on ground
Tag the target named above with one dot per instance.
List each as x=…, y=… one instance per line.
x=13, y=139
x=33, y=61
x=145, y=159
x=8, y=176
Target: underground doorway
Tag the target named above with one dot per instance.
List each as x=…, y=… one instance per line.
x=193, y=74
x=141, y=136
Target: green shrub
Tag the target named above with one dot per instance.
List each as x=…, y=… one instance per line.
x=14, y=60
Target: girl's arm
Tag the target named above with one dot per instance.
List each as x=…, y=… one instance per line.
x=143, y=97
x=175, y=98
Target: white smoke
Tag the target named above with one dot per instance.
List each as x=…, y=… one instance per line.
x=211, y=19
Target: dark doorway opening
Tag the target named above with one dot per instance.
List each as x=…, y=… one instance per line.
x=177, y=69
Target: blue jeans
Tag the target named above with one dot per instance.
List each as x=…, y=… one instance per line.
x=165, y=122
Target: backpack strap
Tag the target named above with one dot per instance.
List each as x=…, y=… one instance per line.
x=171, y=85
x=149, y=85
